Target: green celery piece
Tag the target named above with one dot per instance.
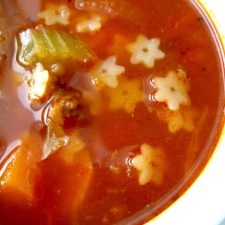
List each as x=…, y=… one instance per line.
x=47, y=45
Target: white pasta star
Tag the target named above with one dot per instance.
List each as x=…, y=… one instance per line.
x=149, y=165
x=181, y=119
x=92, y=24
x=107, y=72
x=172, y=89
x=145, y=51
x=39, y=82
x=126, y=96
x=55, y=15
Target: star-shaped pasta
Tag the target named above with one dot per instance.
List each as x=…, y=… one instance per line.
x=149, y=164
x=126, y=95
x=107, y=73
x=92, y=24
x=55, y=15
x=172, y=89
x=181, y=119
x=39, y=82
x=145, y=51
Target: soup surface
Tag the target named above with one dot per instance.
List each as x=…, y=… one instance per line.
x=106, y=105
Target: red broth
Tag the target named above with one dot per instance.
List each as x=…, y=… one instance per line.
x=94, y=149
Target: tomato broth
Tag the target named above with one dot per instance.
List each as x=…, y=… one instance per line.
x=106, y=107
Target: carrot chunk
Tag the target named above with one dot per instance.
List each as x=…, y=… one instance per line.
x=21, y=172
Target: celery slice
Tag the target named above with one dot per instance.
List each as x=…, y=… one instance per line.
x=50, y=46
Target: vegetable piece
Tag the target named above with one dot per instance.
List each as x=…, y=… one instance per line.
x=53, y=143
x=67, y=105
x=75, y=145
x=21, y=171
x=48, y=46
x=70, y=183
x=150, y=165
x=79, y=181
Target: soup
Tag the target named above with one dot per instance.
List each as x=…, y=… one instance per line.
x=106, y=107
